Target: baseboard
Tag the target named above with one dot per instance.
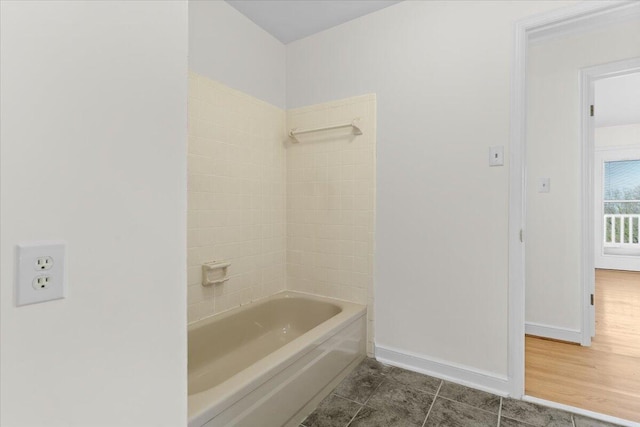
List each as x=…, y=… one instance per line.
x=553, y=332
x=465, y=375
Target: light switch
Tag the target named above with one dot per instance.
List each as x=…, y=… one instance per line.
x=544, y=185
x=496, y=155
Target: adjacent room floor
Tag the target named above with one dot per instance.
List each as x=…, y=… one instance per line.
x=378, y=395
x=605, y=377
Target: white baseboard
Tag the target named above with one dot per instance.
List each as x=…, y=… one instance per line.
x=553, y=332
x=465, y=375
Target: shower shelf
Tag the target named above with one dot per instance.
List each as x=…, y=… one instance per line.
x=209, y=268
x=355, y=124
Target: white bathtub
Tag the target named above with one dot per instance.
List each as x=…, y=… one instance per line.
x=269, y=363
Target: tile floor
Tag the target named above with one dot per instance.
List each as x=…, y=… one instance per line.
x=378, y=395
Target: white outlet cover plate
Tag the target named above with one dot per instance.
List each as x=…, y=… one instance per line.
x=27, y=270
x=544, y=185
x=496, y=155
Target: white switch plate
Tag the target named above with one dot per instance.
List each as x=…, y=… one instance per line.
x=496, y=155
x=40, y=272
x=544, y=185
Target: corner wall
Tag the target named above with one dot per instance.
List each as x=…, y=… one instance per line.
x=226, y=46
x=93, y=151
x=441, y=74
x=235, y=185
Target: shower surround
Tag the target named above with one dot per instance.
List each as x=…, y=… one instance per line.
x=236, y=196
x=287, y=215
x=331, y=203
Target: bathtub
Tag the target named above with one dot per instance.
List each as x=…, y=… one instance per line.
x=269, y=363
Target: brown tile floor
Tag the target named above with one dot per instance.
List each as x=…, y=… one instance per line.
x=378, y=395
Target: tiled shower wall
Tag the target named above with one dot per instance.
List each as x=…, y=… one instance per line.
x=236, y=205
x=330, y=203
x=258, y=200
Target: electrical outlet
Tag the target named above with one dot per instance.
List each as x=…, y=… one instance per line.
x=44, y=263
x=41, y=282
x=40, y=272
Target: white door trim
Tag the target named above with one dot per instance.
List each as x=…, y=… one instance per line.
x=545, y=23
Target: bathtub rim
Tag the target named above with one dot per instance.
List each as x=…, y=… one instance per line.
x=205, y=405
x=284, y=294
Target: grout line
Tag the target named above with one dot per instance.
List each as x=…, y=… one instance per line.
x=469, y=405
x=346, y=398
x=374, y=391
x=354, y=415
x=432, y=403
x=573, y=420
x=499, y=412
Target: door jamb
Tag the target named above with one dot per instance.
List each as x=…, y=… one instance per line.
x=548, y=22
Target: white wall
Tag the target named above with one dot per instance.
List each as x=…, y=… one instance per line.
x=226, y=46
x=93, y=151
x=553, y=290
x=618, y=100
x=617, y=136
x=441, y=73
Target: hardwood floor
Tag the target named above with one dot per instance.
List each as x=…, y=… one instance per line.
x=606, y=376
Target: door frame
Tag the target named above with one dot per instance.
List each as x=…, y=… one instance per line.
x=558, y=21
x=588, y=77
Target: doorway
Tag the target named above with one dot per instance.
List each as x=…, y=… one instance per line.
x=580, y=16
x=611, y=141
x=616, y=136
x=581, y=210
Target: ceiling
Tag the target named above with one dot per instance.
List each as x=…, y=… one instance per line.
x=617, y=100
x=290, y=20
